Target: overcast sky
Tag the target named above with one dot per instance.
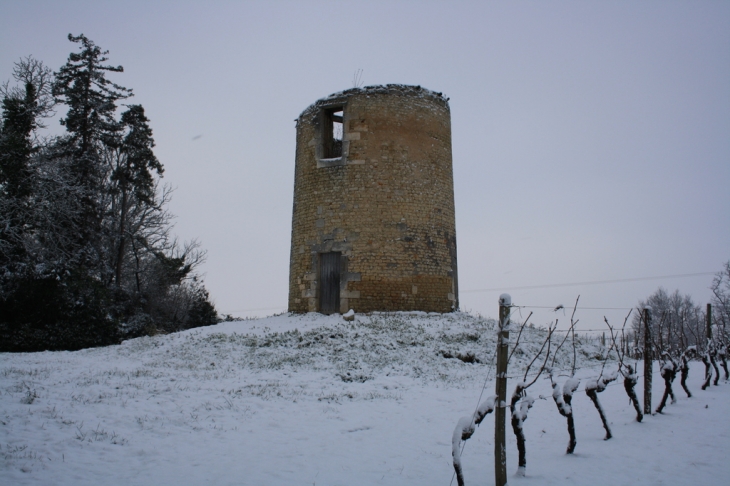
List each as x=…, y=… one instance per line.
x=591, y=140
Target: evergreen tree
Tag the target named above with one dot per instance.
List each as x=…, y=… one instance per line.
x=81, y=84
x=15, y=151
x=86, y=254
x=23, y=109
x=18, y=122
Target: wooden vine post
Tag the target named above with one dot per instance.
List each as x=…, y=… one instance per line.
x=708, y=318
x=500, y=408
x=648, y=361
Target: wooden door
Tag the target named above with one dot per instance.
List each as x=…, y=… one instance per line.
x=329, y=282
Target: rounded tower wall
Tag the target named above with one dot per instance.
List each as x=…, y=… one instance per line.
x=374, y=215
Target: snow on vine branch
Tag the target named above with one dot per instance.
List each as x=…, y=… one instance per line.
x=684, y=359
x=630, y=380
x=708, y=358
x=595, y=386
x=668, y=370
x=519, y=415
x=465, y=428
x=564, y=399
x=630, y=376
x=722, y=354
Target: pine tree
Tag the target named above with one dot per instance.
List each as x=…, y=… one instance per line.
x=81, y=84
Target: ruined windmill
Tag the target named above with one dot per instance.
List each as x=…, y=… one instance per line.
x=373, y=221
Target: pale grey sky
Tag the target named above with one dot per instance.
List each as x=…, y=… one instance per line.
x=591, y=140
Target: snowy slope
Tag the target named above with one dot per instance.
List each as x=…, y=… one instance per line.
x=317, y=400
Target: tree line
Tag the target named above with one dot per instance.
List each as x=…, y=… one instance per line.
x=87, y=257
x=678, y=322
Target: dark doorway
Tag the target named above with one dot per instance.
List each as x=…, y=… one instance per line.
x=329, y=282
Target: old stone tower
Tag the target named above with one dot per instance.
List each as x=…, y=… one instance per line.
x=373, y=222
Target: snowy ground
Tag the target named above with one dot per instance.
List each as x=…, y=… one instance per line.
x=305, y=400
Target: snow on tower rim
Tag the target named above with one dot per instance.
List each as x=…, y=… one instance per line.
x=381, y=89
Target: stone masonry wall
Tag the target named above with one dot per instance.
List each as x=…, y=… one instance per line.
x=387, y=204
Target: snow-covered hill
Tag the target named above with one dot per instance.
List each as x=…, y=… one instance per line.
x=316, y=400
